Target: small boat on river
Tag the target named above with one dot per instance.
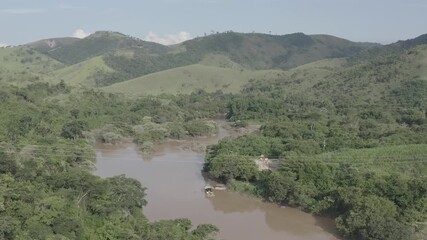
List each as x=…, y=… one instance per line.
x=209, y=191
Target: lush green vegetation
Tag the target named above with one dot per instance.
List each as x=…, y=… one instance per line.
x=348, y=135
x=125, y=58
x=191, y=78
x=252, y=51
x=80, y=74
x=47, y=190
x=352, y=146
x=22, y=65
x=72, y=51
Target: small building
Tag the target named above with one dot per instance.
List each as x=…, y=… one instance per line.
x=263, y=163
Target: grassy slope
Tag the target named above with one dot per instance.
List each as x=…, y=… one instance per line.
x=370, y=80
x=80, y=74
x=300, y=79
x=251, y=51
x=218, y=60
x=220, y=73
x=21, y=65
x=189, y=78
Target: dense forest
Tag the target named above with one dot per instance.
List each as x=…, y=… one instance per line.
x=47, y=190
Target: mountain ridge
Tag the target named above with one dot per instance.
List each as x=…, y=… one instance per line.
x=127, y=58
x=73, y=50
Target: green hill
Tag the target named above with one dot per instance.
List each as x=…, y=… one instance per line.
x=262, y=51
x=190, y=78
x=70, y=50
x=370, y=81
x=22, y=65
x=81, y=74
x=47, y=45
x=251, y=51
x=410, y=43
x=216, y=72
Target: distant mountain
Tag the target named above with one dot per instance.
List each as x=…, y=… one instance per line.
x=72, y=50
x=223, y=61
x=249, y=50
x=262, y=51
x=373, y=80
x=378, y=52
x=47, y=45
x=422, y=39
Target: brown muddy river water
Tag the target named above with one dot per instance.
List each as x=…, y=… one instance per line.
x=175, y=184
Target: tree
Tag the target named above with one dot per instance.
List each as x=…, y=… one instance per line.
x=74, y=129
x=278, y=186
x=205, y=231
x=373, y=218
x=232, y=166
x=7, y=164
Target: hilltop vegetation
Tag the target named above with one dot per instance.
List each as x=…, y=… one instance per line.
x=22, y=65
x=71, y=51
x=262, y=51
x=131, y=58
x=82, y=73
x=251, y=51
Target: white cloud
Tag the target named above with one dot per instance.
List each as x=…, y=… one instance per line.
x=21, y=11
x=169, y=39
x=3, y=45
x=80, y=33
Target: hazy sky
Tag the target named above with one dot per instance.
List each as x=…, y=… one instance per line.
x=170, y=21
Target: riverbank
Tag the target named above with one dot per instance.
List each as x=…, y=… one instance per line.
x=174, y=181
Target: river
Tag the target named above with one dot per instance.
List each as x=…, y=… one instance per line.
x=175, y=184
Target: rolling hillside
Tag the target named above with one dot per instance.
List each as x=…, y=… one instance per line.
x=371, y=80
x=80, y=74
x=262, y=51
x=306, y=64
x=22, y=65
x=250, y=51
x=190, y=78
x=217, y=73
x=70, y=50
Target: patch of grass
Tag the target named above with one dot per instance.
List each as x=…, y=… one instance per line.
x=221, y=61
x=81, y=74
x=190, y=78
x=22, y=65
